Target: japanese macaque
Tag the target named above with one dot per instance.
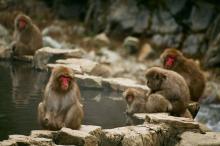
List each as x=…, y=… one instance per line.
x=172, y=86
x=27, y=36
x=61, y=105
x=174, y=60
x=140, y=102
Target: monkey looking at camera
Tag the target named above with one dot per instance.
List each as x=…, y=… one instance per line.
x=61, y=105
x=173, y=59
x=27, y=36
x=172, y=86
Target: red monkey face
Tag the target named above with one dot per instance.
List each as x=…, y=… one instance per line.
x=169, y=62
x=64, y=82
x=22, y=23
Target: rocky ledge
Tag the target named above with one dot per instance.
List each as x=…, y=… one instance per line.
x=155, y=130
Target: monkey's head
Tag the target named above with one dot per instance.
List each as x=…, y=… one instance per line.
x=129, y=95
x=22, y=22
x=135, y=101
x=155, y=77
x=170, y=58
x=62, y=78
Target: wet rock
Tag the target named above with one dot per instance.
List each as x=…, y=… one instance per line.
x=89, y=81
x=68, y=136
x=8, y=143
x=50, y=42
x=166, y=41
x=101, y=40
x=192, y=44
x=43, y=134
x=146, y=52
x=131, y=44
x=5, y=53
x=198, y=139
x=25, y=140
x=121, y=84
x=201, y=16
x=177, y=122
x=47, y=55
x=163, y=22
x=25, y=58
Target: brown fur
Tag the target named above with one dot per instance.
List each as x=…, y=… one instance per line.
x=143, y=103
x=191, y=72
x=27, y=40
x=61, y=108
x=172, y=86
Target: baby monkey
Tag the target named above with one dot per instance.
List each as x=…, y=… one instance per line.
x=138, y=101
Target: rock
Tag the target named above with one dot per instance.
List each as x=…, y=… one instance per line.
x=47, y=55
x=50, y=42
x=198, y=139
x=131, y=44
x=43, y=134
x=25, y=58
x=176, y=122
x=213, y=30
x=212, y=92
x=140, y=135
x=102, y=70
x=101, y=40
x=76, y=68
x=192, y=44
x=212, y=56
x=5, y=53
x=8, y=143
x=121, y=84
x=86, y=65
x=91, y=129
x=89, y=81
x=3, y=32
x=128, y=17
x=68, y=136
x=166, y=41
x=163, y=22
x=201, y=16
x=109, y=56
x=25, y=140
x=175, y=6
x=146, y=52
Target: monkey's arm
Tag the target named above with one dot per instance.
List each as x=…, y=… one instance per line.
x=20, y=48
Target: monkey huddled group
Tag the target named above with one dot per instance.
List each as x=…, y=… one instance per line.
x=173, y=87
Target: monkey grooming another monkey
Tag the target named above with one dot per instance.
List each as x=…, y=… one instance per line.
x=27, y=36
x=61, y=105
x=173, y=59
x=172, y=86
x=139, y=102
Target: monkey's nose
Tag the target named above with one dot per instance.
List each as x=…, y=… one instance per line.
x=46, y=121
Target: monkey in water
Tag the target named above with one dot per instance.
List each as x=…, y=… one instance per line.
x=61, y=105
x=172, y=86
x=27, y=36
x=173, y=59
x=140, y=102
